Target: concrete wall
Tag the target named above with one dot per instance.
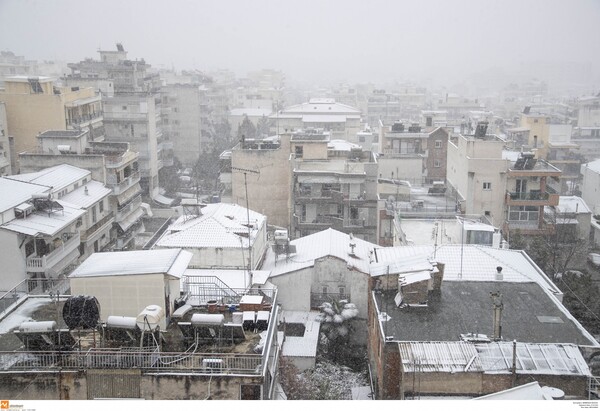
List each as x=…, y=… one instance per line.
x=269, y=191
x=13, y=260
x=73, y=385
x=127, y=295
x=410, y=168
x=36, y=162
x=590, y=189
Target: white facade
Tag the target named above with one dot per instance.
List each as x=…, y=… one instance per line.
x=590, y=188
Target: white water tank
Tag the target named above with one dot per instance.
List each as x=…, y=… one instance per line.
x=38, y=326
x=149, y=319
x=199, y=320
x=117, y=321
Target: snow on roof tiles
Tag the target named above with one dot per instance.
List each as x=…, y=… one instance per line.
x=173, y=262
x=220, y=225
x=322, y=244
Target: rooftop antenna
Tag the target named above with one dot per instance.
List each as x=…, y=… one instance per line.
x=246, y=171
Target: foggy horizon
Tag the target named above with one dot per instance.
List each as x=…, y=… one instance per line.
x=429, y=42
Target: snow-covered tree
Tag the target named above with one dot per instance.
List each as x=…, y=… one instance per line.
x=336, y=325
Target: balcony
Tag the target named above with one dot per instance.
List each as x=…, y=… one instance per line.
x=124, y=239
x=124, y=211
x=59, y=258
x=122, y=186
x=108, y=219
x=85, y=119
x=532, y=198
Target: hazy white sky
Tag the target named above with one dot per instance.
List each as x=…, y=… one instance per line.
x=352, y=40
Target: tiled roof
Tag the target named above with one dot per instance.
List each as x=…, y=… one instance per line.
x=220, y=225
x=322, y=244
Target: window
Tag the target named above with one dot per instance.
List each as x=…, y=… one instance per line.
x=342, y=290
x=132, y=131
x=487, y=213
x=101, y=206
x=325, y=289
x=437, y=163
x=94, y=216
x=124, y=108
x=361, y=139
x=487, y=186
x=299, y=150
x=438, y=143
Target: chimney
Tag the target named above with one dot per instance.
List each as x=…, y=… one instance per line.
x=86, y=191
x=499, y=276
x=498, y=306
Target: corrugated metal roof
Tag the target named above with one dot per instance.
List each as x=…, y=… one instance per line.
x=57, y=177
x=220, y=225
x=495, y=358
x=439, y=357
x=325, y=243
x=553, y=359
x=172, y=262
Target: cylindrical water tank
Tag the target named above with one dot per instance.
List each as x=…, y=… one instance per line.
x=117, y=321
x=554, y=393
x=38, y=326
x=237, y=317
x=149, y=319
x=199, y=320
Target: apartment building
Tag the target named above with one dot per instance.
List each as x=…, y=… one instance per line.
x=35, y=104
x=587, y=132
x=51, y=219
x=340, y=120
x=133, y=113
x=110, y=163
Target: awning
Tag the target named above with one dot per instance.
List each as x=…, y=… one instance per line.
x=131, y=219
x=147, y=209
x=160, y=199
x=128, y=194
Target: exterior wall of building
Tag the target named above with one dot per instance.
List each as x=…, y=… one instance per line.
x=32, y=162
x=441, y=383
x=268, y=191
x=590, y=189
x=127, y=295
x=437, y=149
x=410, y=168
x=13, y=260
x=75, y=385
x=589, y=114
x=29, y=114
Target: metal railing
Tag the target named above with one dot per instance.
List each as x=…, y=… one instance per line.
x=32, y=286
x=125, y=184
x=41, y=264
x=90, y=231
x=202, y=363
x=530, y=196
x=85, y=118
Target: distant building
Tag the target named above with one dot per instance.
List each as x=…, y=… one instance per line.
x=5, y=144
x=35, y=104
x=590, y=188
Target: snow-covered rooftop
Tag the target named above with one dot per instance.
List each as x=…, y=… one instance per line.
x=45, y=223
x=85, y=198
x=220, y=225
x=593, y=166
x=15, y=193
x=57, y=177
x=250, y=112
x=492, y=358
x=470, y=263
x=305, y=346
x=572, y=205
x=172, y=262
x=322, y=244
x=342, y=145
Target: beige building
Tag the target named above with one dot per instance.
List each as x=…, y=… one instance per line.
x=35, y=104
x=5, y=142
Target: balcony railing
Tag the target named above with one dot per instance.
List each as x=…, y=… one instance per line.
x=124, y=211
x=530, y=196
x=90, y=231
x=85, y=118
x=120, y=187
x=48, y=261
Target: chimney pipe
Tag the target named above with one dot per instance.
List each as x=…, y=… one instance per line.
x=498, y=306
x=499, y=275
